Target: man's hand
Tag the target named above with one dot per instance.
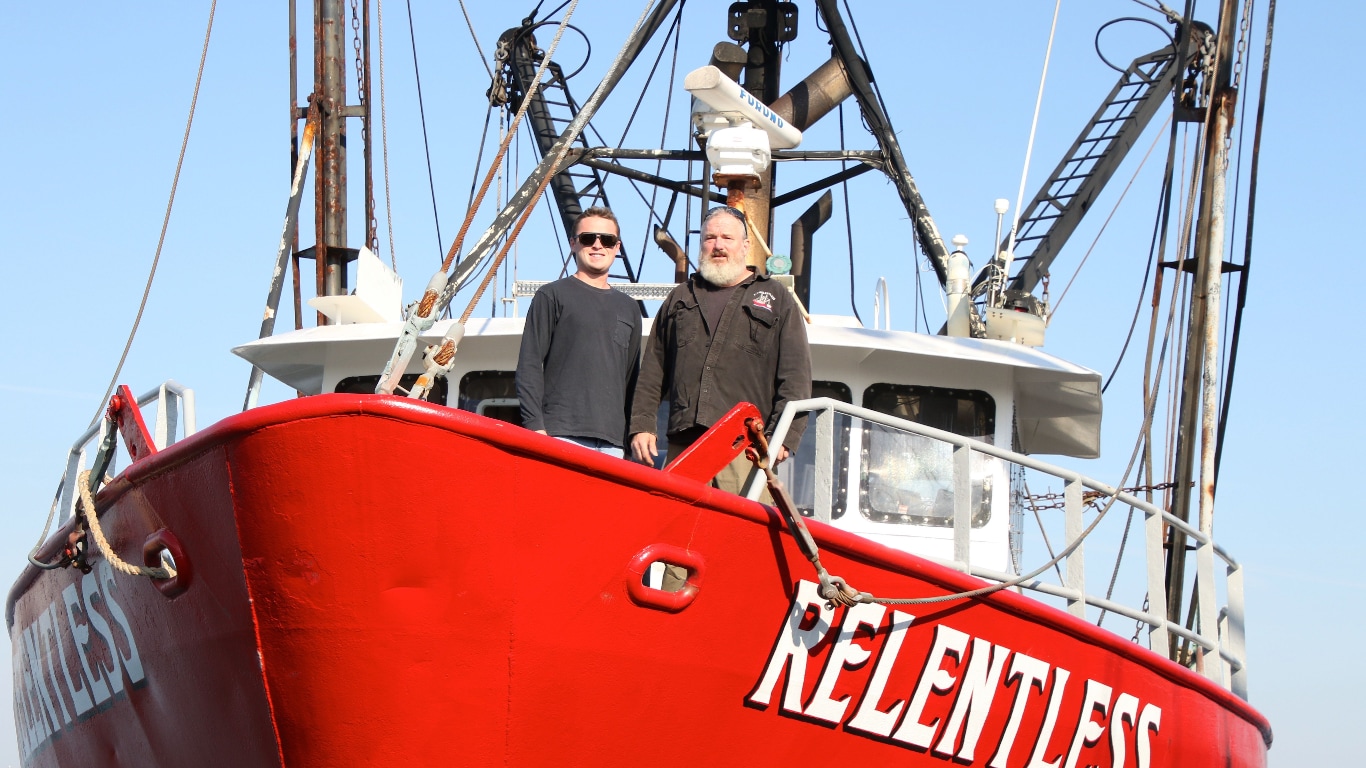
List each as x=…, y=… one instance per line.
x=643, y=448
x=782, y=454
x=542, y=432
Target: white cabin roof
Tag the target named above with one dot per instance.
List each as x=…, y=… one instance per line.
x=1057, y=405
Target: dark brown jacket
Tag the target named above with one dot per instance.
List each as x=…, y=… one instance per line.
x=758, y=353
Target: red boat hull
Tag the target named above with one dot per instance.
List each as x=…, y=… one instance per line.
x=371, y=581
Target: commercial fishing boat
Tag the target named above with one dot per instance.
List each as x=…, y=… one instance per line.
x=389, y=570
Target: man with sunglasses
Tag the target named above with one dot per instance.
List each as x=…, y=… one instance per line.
x=725, y=336
x=581, y=346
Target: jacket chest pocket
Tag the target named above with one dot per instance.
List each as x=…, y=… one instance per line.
x=687, y=323
x=762, y=334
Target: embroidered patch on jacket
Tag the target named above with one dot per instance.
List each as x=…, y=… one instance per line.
x=764, y=300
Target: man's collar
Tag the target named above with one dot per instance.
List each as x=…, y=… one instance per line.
x=696, y=277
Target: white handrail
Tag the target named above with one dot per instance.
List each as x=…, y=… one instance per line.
x=1219, y=634
x=175, y=408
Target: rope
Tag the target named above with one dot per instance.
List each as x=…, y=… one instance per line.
x=93, y=519
x=470, y=25
x=165, y=222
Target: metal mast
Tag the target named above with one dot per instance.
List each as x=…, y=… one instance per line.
x=328, y=99
x=1199, y=392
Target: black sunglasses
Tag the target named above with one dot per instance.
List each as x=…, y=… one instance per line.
x=587, y=239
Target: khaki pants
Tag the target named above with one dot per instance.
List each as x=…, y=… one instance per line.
x=734, y=477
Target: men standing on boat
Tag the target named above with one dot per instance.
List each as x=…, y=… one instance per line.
x=581, y=346
x=725, y=336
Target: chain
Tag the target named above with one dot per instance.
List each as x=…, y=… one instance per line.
x=355, y=45
x=362, y=97
x=1242, y=43
x=1089, y=498
x=1139, y=624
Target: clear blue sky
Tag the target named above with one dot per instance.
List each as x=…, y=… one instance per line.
x=95, y=101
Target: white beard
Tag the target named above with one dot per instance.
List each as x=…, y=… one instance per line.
x=721, y=274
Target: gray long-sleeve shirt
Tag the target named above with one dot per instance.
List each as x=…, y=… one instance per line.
x=578, y=362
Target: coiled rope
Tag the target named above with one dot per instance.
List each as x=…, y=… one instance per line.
x=92, y=518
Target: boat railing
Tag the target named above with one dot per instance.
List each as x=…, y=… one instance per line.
x=175, y=414
x=1218, y=631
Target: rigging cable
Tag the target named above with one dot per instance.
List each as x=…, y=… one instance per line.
x=654, y=69
x=384, y=140
x=1160, y=222
x=422, y=113
x=1054, y=309
x=663, y=135
x=566, y=139
x=1241, y=123
x=848, y=222
x=1112, y=22
x=920, y=262
x=1150, y=392
x=503, y=146
x=1162, y=9
x=1247, y=252
x=882, y=104
x=675, y=27
x=552, y=11
x=165, y=221
x=1029, y=147
x=479, y=156
x=588, y=44
x=488, y=113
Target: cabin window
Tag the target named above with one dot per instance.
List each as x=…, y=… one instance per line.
x=908, y=479
x=492, y=394
x=799, y=473
x=365, y=385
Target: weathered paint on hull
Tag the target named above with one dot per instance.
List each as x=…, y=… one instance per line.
x=378, y=582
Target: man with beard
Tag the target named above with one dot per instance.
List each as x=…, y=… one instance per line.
x=581, y=346
x=725, y=336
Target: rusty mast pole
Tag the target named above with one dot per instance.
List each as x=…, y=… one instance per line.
x=1199, y=392
x=330, y=91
